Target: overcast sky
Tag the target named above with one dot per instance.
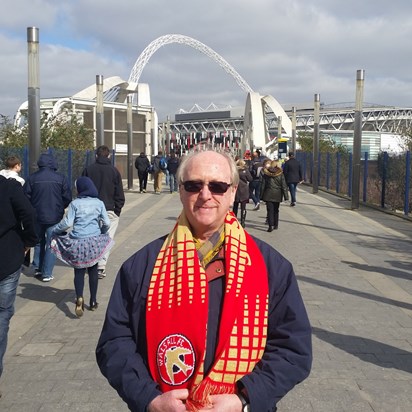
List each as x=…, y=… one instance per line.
x=290, y=49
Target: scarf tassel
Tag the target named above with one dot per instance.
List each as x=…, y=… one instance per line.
x=199, y=397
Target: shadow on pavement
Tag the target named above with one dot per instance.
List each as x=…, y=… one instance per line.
x=45, y=293
x=368, y=350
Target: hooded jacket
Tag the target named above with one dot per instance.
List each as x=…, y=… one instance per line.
x=273, y=187
x=48, y=191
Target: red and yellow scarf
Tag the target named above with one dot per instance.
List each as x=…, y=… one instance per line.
x=177, y=312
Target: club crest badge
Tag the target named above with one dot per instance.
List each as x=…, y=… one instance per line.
x=175, y=359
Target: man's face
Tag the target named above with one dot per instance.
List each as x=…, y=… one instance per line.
x=205, y=210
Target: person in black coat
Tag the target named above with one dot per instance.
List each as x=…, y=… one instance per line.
x=273, y=190
x=242, y=192
x=293, y=175
x=17, y=236
x=142, y=164
x=108, y=182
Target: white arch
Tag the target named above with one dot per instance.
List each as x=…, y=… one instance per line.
x=148, y=52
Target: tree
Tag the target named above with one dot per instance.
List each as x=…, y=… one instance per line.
x=64, y=131
x=326, y=144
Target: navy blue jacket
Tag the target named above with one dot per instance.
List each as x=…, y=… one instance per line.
x=292, y=169
x=122, y=355
x=48, y=191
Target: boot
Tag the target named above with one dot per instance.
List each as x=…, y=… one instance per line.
x=243, y=218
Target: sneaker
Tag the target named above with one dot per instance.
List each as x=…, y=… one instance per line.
x=37, y=273
x=47, y=278
x=101, y=273
x=293, y=204
x=144, y=190
x=79, y=309
x=257, y=206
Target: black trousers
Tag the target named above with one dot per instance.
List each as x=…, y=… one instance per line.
x=273, y=213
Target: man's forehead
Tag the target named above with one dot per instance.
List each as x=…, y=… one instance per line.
x=208, y=164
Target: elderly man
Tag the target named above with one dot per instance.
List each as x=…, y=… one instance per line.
x=208, y=317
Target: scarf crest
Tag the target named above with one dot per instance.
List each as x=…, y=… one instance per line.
x=177, y=311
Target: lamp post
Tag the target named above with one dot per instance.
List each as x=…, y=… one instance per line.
x=99, y=111
x=316, y=117
x=294, y=130
x=129, y=120
x=33, y=96
x=357, y=139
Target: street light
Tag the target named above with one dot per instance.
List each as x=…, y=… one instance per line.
x=33, y=96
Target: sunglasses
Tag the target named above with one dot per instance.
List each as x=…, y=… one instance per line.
x=195, y=186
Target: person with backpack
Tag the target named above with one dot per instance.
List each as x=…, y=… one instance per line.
x=159, y=166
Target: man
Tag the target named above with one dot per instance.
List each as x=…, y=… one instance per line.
x=207, y=317
x=17, y=236
x=49, y=194
x=109, y=185
x=12, y=170
x=142, y=165
x=256, y=165
x=172, y=165
x=292, y=170
x=159, y=168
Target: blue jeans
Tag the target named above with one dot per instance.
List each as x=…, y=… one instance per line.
x=47, y=259
x=8, y=287
x=292, y=190
x=254, y=191
x=173, y=182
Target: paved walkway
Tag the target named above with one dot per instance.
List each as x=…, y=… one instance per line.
x=355, y=273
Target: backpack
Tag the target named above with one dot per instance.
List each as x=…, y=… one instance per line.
x=163, y=164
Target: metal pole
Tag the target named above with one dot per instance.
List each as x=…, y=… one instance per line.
x=33, y=97
x=129, y=119
x=316, y=118
x=279, y=134
x=99, y=111
x=357, y=139
x=294, y=130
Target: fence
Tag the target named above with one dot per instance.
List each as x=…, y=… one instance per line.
x=69, y=162
x=384, y=182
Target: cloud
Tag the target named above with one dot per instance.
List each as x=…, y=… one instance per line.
x=288, y=49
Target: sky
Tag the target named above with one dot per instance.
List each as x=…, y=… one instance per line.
x=290, y=49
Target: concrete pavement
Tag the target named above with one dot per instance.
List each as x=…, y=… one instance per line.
x=355, y=272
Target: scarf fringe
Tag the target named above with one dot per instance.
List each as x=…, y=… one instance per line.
x=199, y=397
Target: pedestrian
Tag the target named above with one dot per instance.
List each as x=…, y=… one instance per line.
x=49, y=194
x=172, y=165
x=159, y=169
x=273, y=189
x=292, y=170
x=17, y=236
x=87, y=241
x=255, y=165
x=142, y=164
x=242, y=192
x=207, y=317
x=12, y=169
x=108, y=182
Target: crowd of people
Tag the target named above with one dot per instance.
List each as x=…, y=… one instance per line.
x=206, y=317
